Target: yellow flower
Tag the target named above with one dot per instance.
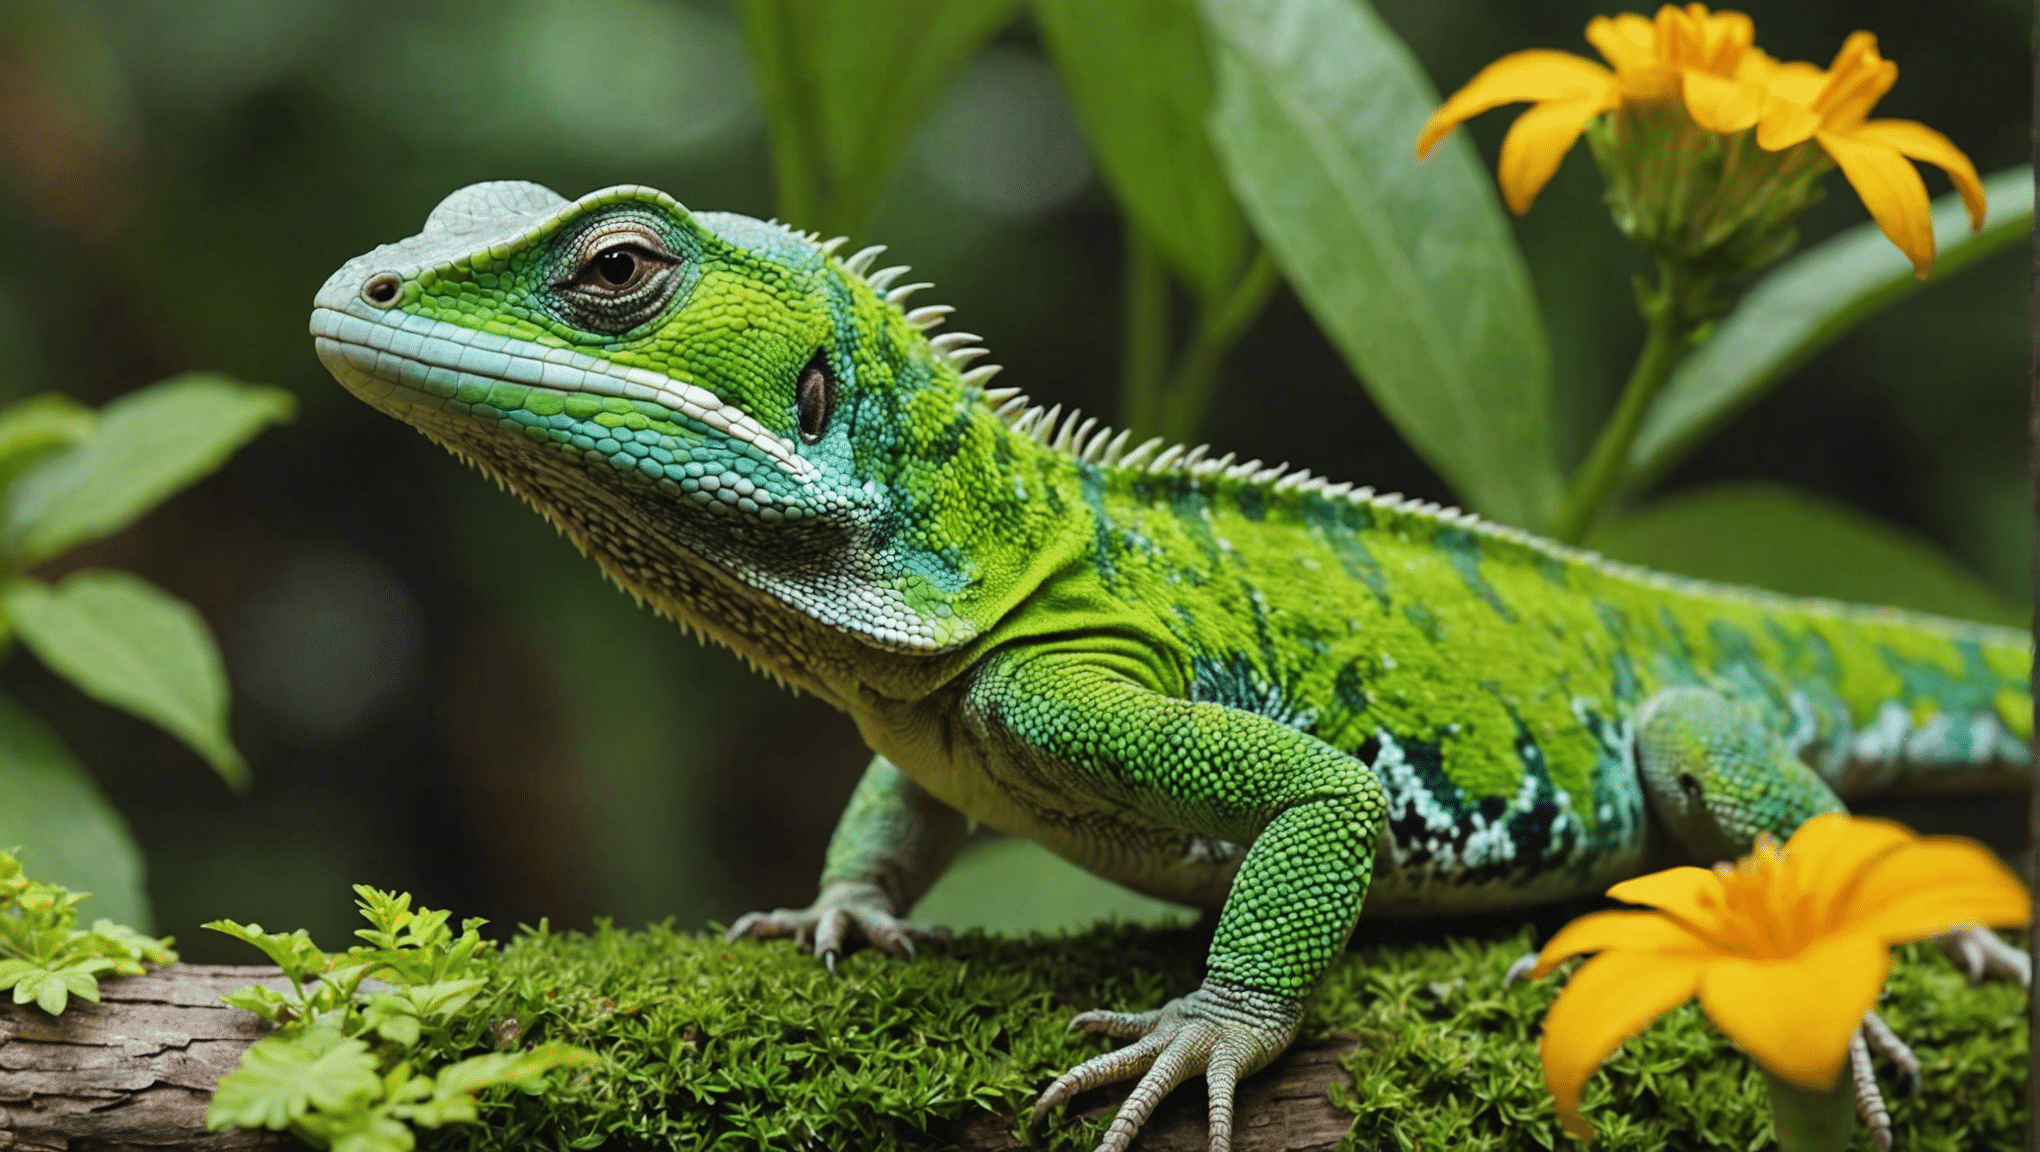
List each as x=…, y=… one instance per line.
x=1702, y=58
x=1786, y=949
x=1830, y=107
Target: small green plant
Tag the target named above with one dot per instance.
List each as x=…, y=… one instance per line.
x=70, y=475
x=47, y=958
x=367, y=1038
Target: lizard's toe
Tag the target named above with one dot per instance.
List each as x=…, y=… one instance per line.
x=1980, y=952
x=1224, y=1033
x=840, y=915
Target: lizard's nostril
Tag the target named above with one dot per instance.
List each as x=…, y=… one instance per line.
x=382, y=288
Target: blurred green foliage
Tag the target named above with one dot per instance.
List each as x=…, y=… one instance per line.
x=72, y=476
x=481, y=720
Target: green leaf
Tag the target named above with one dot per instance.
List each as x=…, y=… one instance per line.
x=1408, y=265
x=127, y=643
x=1139, y=78
x=66, y=830
x=146, y=446
x=282, y=1077
x=844, y=86
x=1788, y=541
x=33, y=428
x=293, y=952
x=1807, y=303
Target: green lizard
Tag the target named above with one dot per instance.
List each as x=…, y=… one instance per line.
x=1219, y=683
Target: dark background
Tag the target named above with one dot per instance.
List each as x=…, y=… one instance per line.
x=437, y=695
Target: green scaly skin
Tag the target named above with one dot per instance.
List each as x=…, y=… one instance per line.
x=1219, y=684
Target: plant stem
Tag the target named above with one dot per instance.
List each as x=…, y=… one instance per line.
x=1146, y=354
x=1808, y=1121
x=1219, y=327
x=1670, y=312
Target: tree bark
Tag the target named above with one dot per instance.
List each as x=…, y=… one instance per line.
x=134, y=1072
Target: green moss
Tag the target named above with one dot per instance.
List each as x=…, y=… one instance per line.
x=750, y=1045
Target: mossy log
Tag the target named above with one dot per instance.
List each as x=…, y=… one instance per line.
x=135, y=1071
x=752, y=1045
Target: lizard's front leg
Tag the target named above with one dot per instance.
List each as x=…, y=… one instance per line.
x=891, y=843
x=1312, y=814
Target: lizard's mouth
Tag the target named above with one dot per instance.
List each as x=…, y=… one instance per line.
x=400, y=362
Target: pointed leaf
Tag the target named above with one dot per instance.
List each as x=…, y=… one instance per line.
x=845, y=85
x=1407, y=264
x=33, y=428
x=1139, y=77
x=67, y=832
x=1789, y=541
x=127, y=643
x=1807, y=303
x=145, y=446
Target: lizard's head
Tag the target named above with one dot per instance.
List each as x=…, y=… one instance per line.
x=726, y=416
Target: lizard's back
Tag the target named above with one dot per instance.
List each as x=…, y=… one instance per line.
x=1492, y=678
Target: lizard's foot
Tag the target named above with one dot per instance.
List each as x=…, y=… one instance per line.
x=1221, y=1031
x=1520, y=969
x=1876, y=1035
x=1980, y=952
x=824, y=926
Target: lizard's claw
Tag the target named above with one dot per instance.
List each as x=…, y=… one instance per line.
x=844, y=908
x=1980, y=952
x=1221, y=1031
x=1876, y=1035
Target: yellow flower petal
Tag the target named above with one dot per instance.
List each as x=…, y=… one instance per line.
x=1830, y=853
x=1537, y=74
x=1629, y=42
x=1914, y=139
x=1858, y=78
x=1891, y=189
x=1784, y=123
x=1692, y=896
x=1723, y=38
x=1796, y=1016
x=1538, y=141
x=1722, y=105
x=1932, y=886
x=1626, y=931
x=1793, y=80
x=1612, y=997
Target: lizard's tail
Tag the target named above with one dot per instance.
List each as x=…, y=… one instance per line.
x=1893, y=702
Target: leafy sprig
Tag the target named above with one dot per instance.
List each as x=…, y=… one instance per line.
x=365, y=1039
x=47, y=958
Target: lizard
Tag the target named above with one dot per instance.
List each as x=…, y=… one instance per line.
x=1231, y=685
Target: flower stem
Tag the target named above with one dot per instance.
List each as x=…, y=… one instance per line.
x=1672, y=312
x=1220, y=325
x=1812, y=1121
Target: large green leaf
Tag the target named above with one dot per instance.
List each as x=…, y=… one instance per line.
x=1775, y=537
x=127, y=643
x=1804, y=305
x=67, y=833
x=1407, y=264
x=845, y=83
x=146, y=446
x=34, y=428
x=1139, y=78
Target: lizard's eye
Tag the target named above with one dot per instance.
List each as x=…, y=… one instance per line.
x=619, y=274
x=812, y=397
